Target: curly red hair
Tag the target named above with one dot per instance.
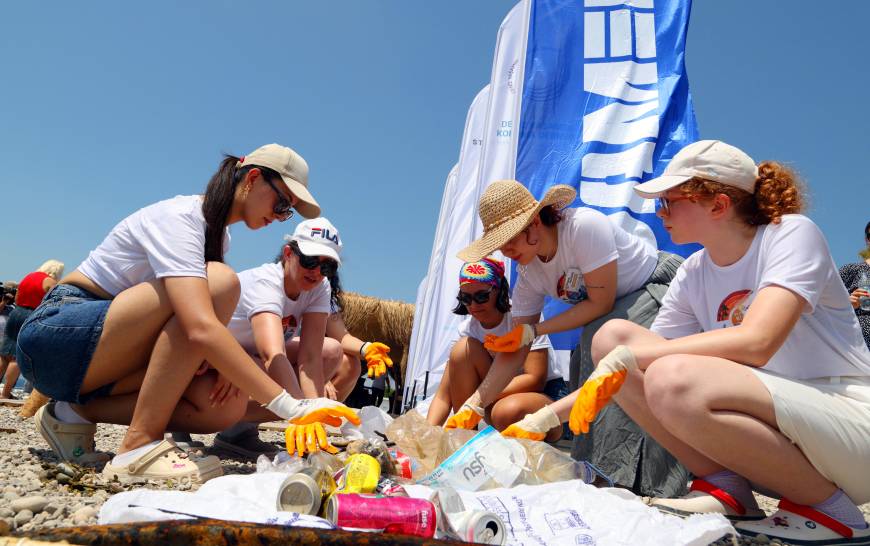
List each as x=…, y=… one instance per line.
x=778, y=191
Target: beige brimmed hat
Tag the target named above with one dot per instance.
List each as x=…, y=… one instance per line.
x=708, y=159
x=293, y=170
x=506, y=208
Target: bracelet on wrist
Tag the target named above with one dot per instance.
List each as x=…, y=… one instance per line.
x=362, y=349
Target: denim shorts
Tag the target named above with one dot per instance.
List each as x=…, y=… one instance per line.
x=556, y=389
x=57, y=341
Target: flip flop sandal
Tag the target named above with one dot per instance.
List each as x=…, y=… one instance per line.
x=706, y=498
x=71, y=442
x=804, y=525
x=166, y=461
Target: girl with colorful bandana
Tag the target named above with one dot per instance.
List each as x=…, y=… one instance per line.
x=483, y=294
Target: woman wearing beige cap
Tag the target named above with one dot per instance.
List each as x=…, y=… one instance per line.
x=754, y=374
x=580, y=257
x=120, y=339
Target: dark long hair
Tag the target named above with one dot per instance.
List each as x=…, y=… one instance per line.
x=502, y=302
x=218, y=201
x=336, y=302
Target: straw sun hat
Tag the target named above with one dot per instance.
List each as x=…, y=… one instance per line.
x=506, y=208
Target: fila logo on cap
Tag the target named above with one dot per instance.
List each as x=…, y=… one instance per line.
x=325, y=234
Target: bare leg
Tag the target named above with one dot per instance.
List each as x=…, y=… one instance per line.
x=139, y=332
x=512, y=408
x=468, y=365
x=439, y=409
x=4, y=363
x=12, y=374
x=345, y=375
x=712, y=414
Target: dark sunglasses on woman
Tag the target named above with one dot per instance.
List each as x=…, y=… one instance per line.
x=481, y=296
x=283, y=208
x=327, y=267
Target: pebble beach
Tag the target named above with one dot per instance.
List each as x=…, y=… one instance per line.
x=38, y=491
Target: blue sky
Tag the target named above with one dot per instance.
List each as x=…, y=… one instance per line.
x=109, y=106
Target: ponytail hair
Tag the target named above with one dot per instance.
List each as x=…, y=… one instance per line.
x=219, y=196
x=216, y=206
x=778, y=191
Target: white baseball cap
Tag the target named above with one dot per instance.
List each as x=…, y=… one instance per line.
x=317, y=237
x=293, y=170
x=708, y=159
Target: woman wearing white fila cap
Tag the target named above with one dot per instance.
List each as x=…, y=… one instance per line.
x=281, y=320
x=754, y=374
x=120, y=339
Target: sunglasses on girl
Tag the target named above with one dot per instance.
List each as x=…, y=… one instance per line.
x=283, y=208
x=665, y=202
x=481, y=296
x=327, y=267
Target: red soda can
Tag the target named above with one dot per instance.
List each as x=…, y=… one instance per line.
x=399, y=515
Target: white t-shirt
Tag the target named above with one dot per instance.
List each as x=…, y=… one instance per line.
x=262, y=290
x=471, y=327
x=587, y=240
x=166, y=239
x=825, y=342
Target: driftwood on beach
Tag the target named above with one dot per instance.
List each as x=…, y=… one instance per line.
x=219, y=533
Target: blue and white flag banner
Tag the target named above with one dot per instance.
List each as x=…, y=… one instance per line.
x=435, y=326
x=605, y=106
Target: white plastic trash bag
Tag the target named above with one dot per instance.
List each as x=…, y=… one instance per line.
x=372, y=419
x=573, y=512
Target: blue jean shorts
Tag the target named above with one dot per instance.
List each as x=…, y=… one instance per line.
x=57, y=341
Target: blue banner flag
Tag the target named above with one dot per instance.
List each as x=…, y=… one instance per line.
x=605, y=105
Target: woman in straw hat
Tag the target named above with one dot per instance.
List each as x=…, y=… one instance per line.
x=580, y=257
x=120, y=339
x=754, y=374
x=484, y=299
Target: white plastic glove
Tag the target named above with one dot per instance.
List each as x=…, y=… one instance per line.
x=310, y=410
x=534, y=426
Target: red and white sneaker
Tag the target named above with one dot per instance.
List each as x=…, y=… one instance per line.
x=706, y=498
x=800, y=524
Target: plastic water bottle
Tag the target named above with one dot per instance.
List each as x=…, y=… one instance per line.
x=864, y=284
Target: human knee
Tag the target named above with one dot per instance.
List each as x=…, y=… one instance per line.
x=224, y=286
x=332, y=351
x=668, y=387
x=614, y=332
x=508, y=411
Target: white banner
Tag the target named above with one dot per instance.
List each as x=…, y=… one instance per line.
x=435, y=326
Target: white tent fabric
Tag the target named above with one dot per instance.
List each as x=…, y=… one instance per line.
x=435, y=326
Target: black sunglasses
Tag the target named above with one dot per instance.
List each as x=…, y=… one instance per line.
x=481, y=296
x=283, y=208
x=327, y=267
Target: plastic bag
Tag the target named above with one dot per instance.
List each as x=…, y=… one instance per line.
x=431, y=445
x=486, y=461
x=283, y=462
x=373, y=419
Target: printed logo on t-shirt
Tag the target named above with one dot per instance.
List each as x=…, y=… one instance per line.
x=571, y=288
x=733, y=308
x=289, y=324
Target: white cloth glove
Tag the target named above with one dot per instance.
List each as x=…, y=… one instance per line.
x=541, y=421
x=619, y=359
x=287, y=407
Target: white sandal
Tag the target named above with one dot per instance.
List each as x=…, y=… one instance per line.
x=166, y=461
x=71, y=442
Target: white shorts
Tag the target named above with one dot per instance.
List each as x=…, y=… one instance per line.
x=829, y=420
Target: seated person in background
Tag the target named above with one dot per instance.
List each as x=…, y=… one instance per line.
x=851, y=274
x=483, y=294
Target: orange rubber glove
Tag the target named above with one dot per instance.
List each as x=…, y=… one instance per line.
x=307, y=438
x=377, y=358
x=603, y=383
x=468, y=416
x=534, y=426
x=511, y=342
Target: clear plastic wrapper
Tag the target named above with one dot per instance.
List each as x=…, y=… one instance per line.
x=283, y=462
